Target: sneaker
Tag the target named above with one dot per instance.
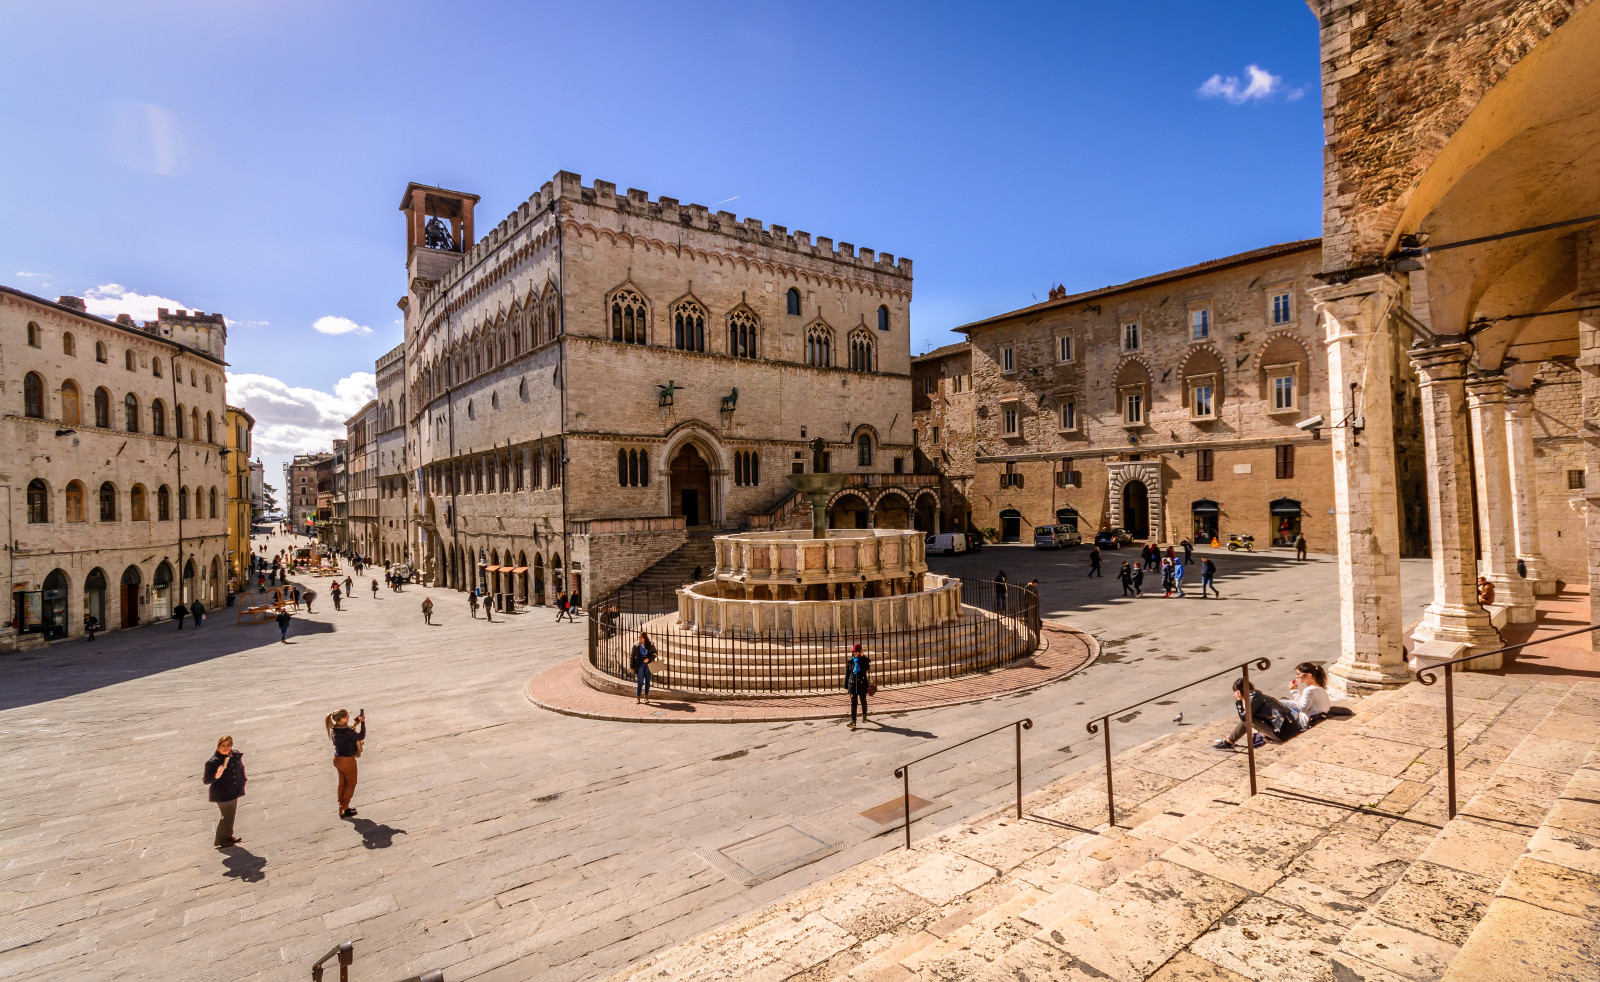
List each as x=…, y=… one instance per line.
x=1222, y=745
x=852, y=724
x=1260, y=741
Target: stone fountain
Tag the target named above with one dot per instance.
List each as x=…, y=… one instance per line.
x=817, y=486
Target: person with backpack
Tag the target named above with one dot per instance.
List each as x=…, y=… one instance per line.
x=561, y=608
x=224, y=774
x=1177, y=576
x=639, y=663
x=857, y=683
x=1208, y=576
x=427, y=611
x=1188, y=552
x=1138, y=580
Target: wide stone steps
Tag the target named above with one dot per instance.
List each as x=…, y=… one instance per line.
x=677, y=567
x=1343, y=867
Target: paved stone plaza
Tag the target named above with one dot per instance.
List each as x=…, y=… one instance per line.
x=496, y=840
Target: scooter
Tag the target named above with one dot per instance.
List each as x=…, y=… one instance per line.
x=1245, y=542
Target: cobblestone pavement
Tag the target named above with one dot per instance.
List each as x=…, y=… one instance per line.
x=496, y=840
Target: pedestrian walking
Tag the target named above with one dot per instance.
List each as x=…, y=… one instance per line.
x=349, y=587
x=1177, y=575
x=856, y=682
x=1126, y=576
x=427, y=611
x=336, y=593
x=1300, y=546
x=1094, y=561
x=197, y=610
x=309, y=596
x=1030, y=597
x=1000, y=590
x=1166, y=577
x=1188, y=553
x=561, y=608
x=283, y=625
x=374, y=588
x=346, y=748
x=644, y=652
x=1208, y=577
x=224, y=774
x=1138, y=581
x=90, y=625
x=488, y=609
x=179, y=614
x=573, y=603
x=472, y=603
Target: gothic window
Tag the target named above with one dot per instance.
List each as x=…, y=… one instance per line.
x=747, y=468
x=75, y=501
x=33, y=335
x=163, y=504
x=860, y=351
x=883, y=318
x=689, y=327
x=792, y=302
x=211, y=506
x=633, y=469
x=33, y=396
x=102, y=408
x=194, y=423
x=130, y=413
x=210, y=435
x=208, y=383
x=158, y=417
x=70, y=408
x=108, y=502
x=537, y=481
x=38, y=501
x=628, y=318
x=183, y=503
x=864, y=450
x=819, y=346
x=742, y=333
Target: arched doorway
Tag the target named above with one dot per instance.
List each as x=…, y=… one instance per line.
x=1011, y=525
x=848, y=511
x=1205, y=515
x=1136, y=509
x=215, y=588
x=1067, y=517
x=893, y=513
x=557, y=581
x=94, y=595
x=55, y=604
x=927, y=513
x=1285, y=521
x=494, y=583
x=522, y=578
x=189, y=583
x=131, y=579
x=538, y=578
x=161, y=592
x=689, y=486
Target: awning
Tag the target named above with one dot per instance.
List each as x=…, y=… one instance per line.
x=491, y=569
x=519, y=569
x=1285, y=506
x=1205, y=507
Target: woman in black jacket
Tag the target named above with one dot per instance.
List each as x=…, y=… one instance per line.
x=1271, y=719
x=346, y=748
x=225, y=774
x=857, y=683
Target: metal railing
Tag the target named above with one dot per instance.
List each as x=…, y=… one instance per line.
x=1427, y=676
x=346, y=953
x=904, y=770
x=1003, y=627
x=1102, y=724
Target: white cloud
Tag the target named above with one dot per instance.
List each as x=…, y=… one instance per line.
x=329, y=324
x=292, y=419
x=1261, y=84
x=111, y=299
x=27, y=275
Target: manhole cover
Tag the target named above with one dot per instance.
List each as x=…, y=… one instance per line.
x=772, y=853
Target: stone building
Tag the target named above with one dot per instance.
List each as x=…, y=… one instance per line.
x=241, y=501
x=1460, y=242
x=394, y=461
x=300, y=490
x=258, y=489
x=1186, y=405
x=361, y=480
x=111, y=450
x=942, y=427
x=605, y=375
x=331, y=477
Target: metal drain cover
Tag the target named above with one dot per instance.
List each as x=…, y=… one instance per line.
x=771, y=853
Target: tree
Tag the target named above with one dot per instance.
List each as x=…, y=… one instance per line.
x=269, y=503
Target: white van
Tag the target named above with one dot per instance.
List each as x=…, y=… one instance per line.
x=948, y=543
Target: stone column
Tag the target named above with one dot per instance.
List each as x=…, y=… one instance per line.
x=1486, y=401
x=1454, y=615
x=1360, y=346
x=1588, y=292
x=1525, y=490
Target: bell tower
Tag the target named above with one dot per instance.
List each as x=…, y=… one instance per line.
x=437, y=219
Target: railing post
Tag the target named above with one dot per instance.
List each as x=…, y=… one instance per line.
x=1019, y=768
x=1249, y=728
x=906, y=773
x=1111, y=793
x=1450, y=739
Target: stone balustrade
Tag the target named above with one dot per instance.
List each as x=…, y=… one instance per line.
x=711, y=607
x=790, y=561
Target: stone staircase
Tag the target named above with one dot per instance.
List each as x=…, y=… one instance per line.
x=1343, y=868
x=677, y=567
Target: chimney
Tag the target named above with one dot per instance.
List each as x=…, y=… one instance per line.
x=76, y=303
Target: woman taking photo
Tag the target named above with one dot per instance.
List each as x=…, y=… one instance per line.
x=1308, y=694
x=346, y=748
x=225, y=774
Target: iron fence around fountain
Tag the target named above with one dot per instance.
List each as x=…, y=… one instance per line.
x=998, y=625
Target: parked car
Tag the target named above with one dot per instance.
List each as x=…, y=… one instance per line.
x=1113, y=538
x=948, y=543
x=1055, y=536
x=974, y=541
x=1067, y=535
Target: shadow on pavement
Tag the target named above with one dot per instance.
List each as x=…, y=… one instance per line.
x=244, y=865
x=375, y=836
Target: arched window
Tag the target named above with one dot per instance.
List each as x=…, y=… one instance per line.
x=155, y=367
x=71, y=410
x=136, y=507
x=191, y=378
x=883, y=318
x=69, y=345
x=629, y=318
x=158, y=417
x=208, y=383
x=108, y=502
x=33, y=335
x=819, y=346
x=177, y=422
x=747, y=468
x=622, y=468
x=792, y=302
x=183, y=502
x=128, y=360
x=33, y=395
x=689, y=327
x=38, y=502
x=163, y=504
x=742, y=333
x=864, y=450
x=130, y=413
x=211, y=506
x=210, y=434
x=194, y=423
x=100, y=354
x=102, y=408
x=75, y=501
x=860, y=351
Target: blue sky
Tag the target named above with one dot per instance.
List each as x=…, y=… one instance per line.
x=248, y=157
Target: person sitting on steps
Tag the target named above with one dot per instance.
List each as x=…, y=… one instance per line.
x=1272, y=720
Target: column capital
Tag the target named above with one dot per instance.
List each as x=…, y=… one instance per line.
x=1355, y=308
x=1486, y=389
x=1441, y=363
x=1519, y=402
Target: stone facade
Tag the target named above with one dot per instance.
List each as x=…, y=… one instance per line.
x=241, y=494
x=603, y=357
x=1168, y=405
x=112, y=454
x=942, y=419
x=300, y=490
x=394, y=461
x=361, y=480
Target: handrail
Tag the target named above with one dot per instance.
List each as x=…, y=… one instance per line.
x=1426, y=676
x=1102, y=723
x=347, y=954
x=904, y=770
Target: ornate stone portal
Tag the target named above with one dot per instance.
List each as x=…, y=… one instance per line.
x=1146, y=473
